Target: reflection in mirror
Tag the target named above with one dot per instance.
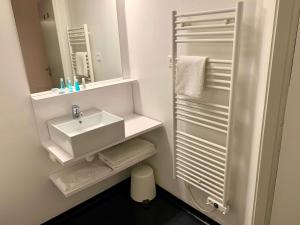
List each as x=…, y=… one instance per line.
x=68, y=39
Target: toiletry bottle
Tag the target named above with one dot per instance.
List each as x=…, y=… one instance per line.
x=76, y=85
x=62, y=86
x=70, y=86
x=83, y=83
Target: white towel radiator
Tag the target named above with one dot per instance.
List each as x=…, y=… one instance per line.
x=78, y=38
x=200, y=162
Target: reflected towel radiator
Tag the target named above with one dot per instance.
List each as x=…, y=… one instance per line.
x=203, y=163
x=78, y=38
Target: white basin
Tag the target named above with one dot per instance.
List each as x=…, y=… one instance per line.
x=95, y=130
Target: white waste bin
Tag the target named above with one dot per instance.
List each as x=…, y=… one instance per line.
x=142, y=184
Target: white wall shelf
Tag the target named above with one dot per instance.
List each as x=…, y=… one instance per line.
x=84, y=174
x=135, y=125
x=91, y=86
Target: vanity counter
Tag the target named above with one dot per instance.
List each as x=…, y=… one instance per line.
x=135, y=125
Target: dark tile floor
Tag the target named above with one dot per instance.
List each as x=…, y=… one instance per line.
x=115, y=207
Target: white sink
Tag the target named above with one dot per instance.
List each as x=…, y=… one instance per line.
x=95, y=130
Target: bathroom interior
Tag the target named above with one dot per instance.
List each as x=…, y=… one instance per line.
x=136, y=112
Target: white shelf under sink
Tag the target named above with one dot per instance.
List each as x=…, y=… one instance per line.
x=84, y=174
x=135, y=125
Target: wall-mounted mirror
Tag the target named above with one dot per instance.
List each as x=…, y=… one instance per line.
x=68, y=39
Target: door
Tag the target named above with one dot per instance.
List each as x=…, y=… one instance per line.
x=286, y=202
x=49, y=30
x=32, y=45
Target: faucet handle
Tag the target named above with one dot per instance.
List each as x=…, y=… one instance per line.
x=75, y=111
x=75, y=106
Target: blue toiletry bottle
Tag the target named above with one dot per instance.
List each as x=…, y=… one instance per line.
x=70, y=86
x=76, y=85
x=62, y=86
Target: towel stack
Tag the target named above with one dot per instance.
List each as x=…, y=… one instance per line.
x=126, y=153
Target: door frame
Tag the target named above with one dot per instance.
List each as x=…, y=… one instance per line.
x=280, y=68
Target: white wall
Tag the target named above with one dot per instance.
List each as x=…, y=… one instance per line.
x=286, y=198
x=27, y=196
x=149, y=34
x=102, y=21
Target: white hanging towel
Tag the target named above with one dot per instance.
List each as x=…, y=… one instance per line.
x=190, y=75
x=81, y=64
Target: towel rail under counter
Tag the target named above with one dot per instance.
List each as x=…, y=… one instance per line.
x=200, y=162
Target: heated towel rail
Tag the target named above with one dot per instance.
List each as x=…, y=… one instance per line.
x=78, y=38
x=200, y=162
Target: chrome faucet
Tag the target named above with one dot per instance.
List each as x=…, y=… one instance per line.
x=76, y=113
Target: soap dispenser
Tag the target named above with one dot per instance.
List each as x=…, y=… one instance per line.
x=76, y=85
x=69, y=84
x=62, y=88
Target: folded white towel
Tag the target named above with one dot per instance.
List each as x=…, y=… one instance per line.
x=81, y=64
x=126, y=153
x=190, y=76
